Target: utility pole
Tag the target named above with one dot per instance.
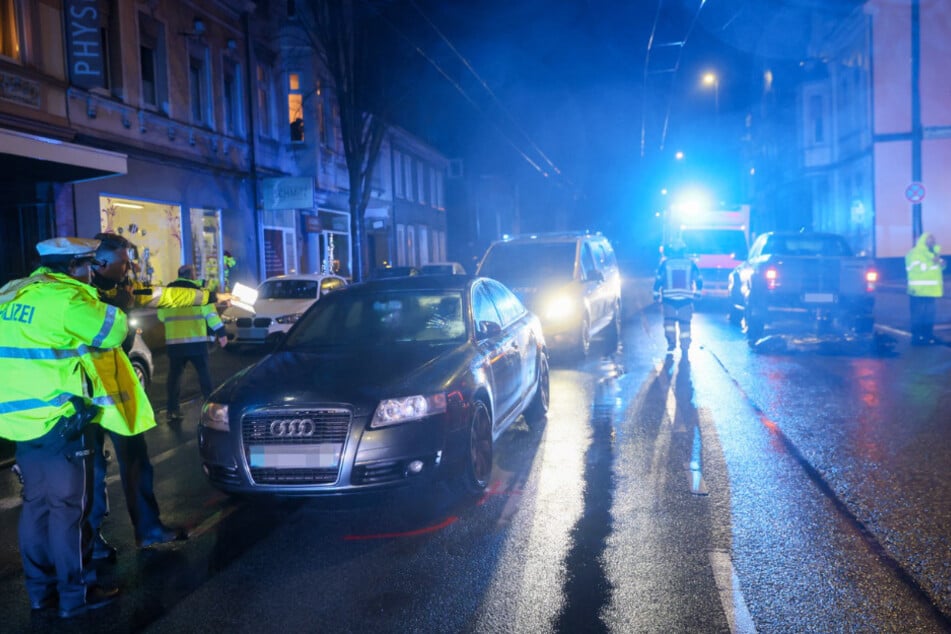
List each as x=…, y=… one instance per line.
x=916, y=131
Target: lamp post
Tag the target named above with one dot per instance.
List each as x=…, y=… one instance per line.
x=711, y=79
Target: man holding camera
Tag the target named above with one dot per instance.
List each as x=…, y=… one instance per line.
x=60, y=359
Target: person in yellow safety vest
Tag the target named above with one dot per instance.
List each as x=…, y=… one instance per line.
x=925, y=268
x=230, y=262
x=111, y=279
x=677, y=282
x=62, y=371
x=186, y=341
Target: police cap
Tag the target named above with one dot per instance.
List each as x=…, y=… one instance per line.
x=68, y=247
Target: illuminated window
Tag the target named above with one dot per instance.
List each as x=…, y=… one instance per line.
x=295, y=107
x=9, y=30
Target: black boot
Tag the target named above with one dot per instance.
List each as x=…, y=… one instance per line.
x=103, y=550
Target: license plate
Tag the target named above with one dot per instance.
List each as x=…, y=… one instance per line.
x=325, y=456
x=819, y=298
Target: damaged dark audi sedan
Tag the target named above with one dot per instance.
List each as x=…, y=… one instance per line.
x=378, y=385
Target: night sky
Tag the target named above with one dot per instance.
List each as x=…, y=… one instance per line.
x=563, y=93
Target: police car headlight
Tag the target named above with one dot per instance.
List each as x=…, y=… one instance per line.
x=288, y=319
x=215, y=416
x=393, y=411
x=560, y=307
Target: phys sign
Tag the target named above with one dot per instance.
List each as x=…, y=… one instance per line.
x=244, y=297
x=84, y=43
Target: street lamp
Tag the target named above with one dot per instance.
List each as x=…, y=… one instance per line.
x=711, y=79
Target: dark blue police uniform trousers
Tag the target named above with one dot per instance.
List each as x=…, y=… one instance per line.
x=922, y=316
x=55, y=541
x=178, y=356
x=136, y=475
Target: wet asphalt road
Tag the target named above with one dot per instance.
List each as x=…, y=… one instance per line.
x=792, y=491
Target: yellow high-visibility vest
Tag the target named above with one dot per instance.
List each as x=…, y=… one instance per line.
x=925, y=273
x=57, y=341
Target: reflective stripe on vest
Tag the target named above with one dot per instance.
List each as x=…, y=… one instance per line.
x=48, y=356
x=189, y=324
x=925, y=277
x=679, y=283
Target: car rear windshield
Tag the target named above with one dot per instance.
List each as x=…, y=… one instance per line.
x=807, y=245
x=517, y=263
x=343, y=319
x=715, y=241
x=288, y=289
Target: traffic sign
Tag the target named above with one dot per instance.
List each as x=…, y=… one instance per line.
x=915, y=192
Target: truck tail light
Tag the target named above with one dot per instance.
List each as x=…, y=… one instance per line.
x=772, y=278
x=871, y=279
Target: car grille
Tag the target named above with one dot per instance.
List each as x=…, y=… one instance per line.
x=256, y=322
x=327, y=428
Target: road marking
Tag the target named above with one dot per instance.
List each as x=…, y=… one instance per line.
x=213, y=521
x=731, y=596
x=14, y=501
x=892, y=331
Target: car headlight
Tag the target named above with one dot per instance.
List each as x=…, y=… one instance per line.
x=560, y=307
x=215, y=416
x=393, y=411
x=288, y=319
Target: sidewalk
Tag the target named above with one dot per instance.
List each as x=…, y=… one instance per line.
x=892, y=312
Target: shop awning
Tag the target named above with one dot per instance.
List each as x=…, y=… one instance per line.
x=27, y=157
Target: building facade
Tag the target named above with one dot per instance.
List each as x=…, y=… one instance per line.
x=192, y=128
x=875, y=127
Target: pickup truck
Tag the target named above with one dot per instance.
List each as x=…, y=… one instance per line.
x=795, y=279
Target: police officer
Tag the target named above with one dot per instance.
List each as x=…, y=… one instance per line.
x=677, y=282
x=925, y=268
x=57, y=344
x=186, y=340
x=111, y=279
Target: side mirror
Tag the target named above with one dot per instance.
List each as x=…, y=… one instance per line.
x=489, y=329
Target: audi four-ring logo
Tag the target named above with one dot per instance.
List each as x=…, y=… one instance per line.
x=292, y=428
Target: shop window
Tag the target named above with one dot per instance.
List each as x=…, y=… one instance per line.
x=295, y=108
x=400, y=244
x=9, y=29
